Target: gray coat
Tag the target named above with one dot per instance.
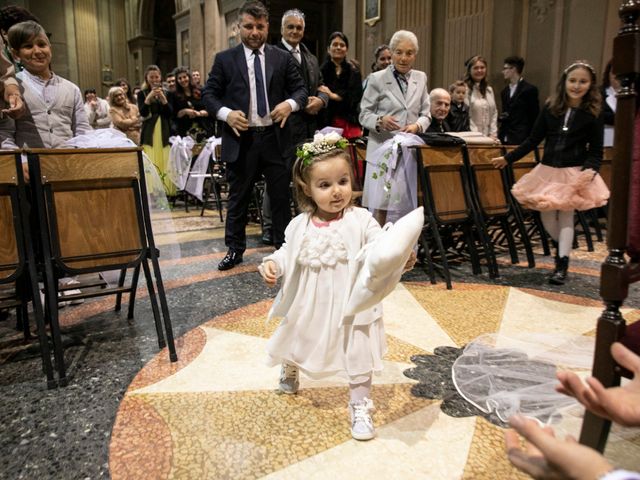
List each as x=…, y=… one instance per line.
x=384, y=97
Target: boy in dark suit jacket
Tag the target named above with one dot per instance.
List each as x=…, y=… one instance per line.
x=520, y=105
x=458, y=118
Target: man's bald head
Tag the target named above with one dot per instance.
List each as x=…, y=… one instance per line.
x=440, y=103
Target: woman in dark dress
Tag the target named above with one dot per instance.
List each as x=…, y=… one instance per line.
x=189, y=114
x=343, y=84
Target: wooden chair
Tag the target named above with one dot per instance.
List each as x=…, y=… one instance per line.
x=446, y=196
x=494, y=203
x=94, y=206
x=530, y=218
x=358, y=152
x=623, y=229
x=17, y=259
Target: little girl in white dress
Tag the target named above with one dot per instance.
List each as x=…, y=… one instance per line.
x=318, y=262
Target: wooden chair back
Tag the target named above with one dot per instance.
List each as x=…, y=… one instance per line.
x=358, y=152
x=93, y=207
x=444, y=171
x=9, y=254
x=488, y=180
x=524, y=165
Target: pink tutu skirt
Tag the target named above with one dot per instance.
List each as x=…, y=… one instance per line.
x=570, y=188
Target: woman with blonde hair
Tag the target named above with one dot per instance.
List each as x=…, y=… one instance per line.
x=124, y=115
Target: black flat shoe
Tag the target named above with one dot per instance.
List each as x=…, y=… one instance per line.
x=230, y=260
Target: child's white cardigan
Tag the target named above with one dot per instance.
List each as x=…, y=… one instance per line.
x=358, y=229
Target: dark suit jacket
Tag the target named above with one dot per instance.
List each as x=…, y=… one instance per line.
x=438, y=126
x=303, y=125
x=228, y=86
x=519, y=113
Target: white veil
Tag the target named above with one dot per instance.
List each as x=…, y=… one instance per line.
x=517, y=374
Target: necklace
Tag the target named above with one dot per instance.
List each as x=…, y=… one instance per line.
x=567, y=118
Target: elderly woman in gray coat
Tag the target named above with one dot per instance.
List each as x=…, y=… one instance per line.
x=396, y=100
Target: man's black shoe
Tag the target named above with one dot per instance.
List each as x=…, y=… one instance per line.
x=230, y=260
x=267, y=238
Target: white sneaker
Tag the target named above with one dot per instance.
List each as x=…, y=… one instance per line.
x=289, y=379
x=361, y=423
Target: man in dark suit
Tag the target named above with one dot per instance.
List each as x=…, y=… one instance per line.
x=253, y=88
x=520, y=105
x=303, y=124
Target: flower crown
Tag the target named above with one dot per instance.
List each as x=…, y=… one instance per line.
x=322, y=143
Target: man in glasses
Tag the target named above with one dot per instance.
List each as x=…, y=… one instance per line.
x=303, y=123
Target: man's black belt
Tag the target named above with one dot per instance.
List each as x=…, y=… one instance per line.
x=268, y=128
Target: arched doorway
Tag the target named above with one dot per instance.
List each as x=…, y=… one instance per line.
x=156, y=43
x=164, y=34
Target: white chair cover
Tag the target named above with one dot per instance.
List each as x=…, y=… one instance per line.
x=195, y=183
x=392, y=176
x=180, y=160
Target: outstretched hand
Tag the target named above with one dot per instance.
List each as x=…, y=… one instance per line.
x=269, y=272
x=546, y=457
x=618, y=404
x=499, y=162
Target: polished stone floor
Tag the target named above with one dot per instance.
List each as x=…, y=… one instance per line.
x=129, y=413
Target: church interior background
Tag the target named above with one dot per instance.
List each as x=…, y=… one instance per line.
x=98, y=41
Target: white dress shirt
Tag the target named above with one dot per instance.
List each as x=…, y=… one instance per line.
x=254, y=119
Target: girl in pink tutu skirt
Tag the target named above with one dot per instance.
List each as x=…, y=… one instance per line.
x=567, y=177
x=318, y=262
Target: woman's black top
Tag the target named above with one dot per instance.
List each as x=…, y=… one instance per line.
x=150, y=115
x=200, y=128
x=576, y=144
x=348, y=85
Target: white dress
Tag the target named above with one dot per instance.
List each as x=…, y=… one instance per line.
x=310, y=336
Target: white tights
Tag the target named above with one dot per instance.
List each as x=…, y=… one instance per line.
x=358, y=391
x=559, y=224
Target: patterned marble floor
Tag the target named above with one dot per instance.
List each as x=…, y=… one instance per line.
x=216, y=414
x=130, y=414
